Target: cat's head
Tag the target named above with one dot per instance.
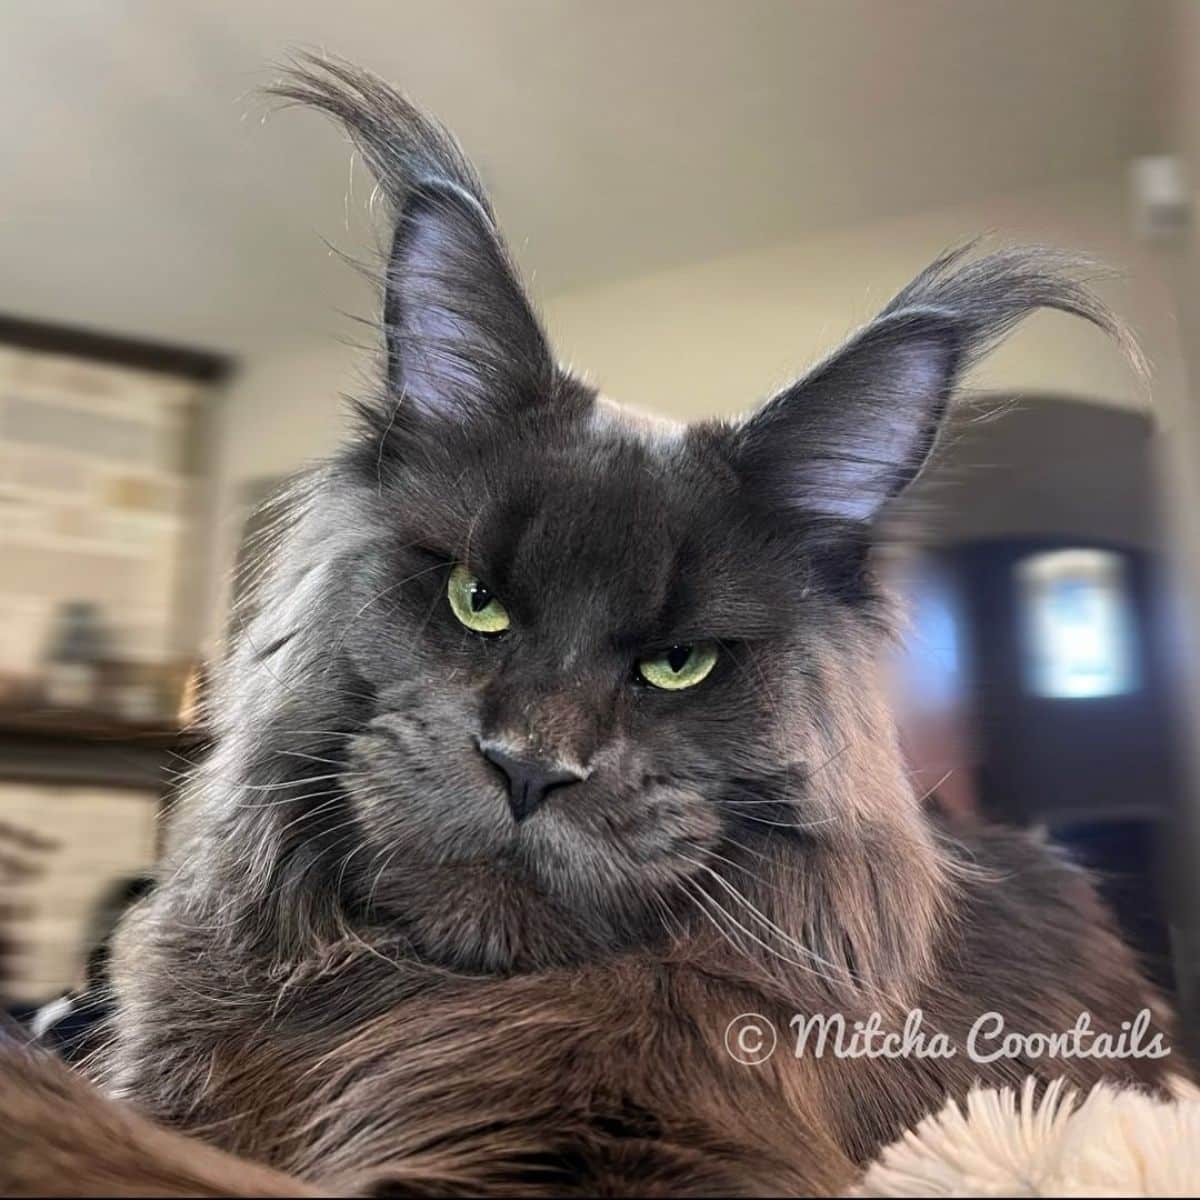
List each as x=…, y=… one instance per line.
x=534, y=680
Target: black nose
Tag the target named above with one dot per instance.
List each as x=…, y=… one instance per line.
x=529, y=781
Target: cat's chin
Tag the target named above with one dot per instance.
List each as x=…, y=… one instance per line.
x=485, y=919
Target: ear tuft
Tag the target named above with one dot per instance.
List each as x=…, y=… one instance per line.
x=462, y=337
x=403, y=147
x=990, y=295
x=856, y=430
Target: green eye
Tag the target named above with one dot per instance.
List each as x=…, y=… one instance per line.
x=474, y=605
x=679, y=667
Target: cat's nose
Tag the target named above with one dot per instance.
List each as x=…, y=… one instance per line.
x=529, y=781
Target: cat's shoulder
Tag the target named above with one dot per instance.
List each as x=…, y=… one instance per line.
x=1027, y=917
x=1022, y=876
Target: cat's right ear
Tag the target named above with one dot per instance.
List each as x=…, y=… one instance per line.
x=462, y=337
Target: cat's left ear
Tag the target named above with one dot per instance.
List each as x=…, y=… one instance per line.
x=461, y=335
x=856, y=430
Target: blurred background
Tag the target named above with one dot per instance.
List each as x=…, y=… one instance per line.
x=705, y=196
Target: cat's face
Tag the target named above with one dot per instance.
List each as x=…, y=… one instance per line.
x=603, y=550
x=527, y=678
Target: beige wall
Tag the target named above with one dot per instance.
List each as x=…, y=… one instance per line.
x=284, y=409
x=712, y=337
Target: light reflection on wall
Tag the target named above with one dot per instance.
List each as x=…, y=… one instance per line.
x=1077, y=624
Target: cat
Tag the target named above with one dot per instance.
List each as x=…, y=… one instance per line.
x=554, y=744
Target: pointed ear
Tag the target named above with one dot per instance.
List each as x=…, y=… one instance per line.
x=856, y=430
x=461, y=335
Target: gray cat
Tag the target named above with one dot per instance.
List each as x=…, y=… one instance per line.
x=553, y=745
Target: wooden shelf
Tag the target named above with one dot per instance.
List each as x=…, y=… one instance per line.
x=88, y=725
x=54, y=745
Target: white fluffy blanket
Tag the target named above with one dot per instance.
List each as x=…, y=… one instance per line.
x=1110, y=1143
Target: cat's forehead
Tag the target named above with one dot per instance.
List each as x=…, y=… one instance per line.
x=611, y=496
x=624, y=516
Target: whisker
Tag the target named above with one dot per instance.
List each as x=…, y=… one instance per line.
x=288, y=783
x=380, y=874
x=696, y=898
x=750, y=907
x=767, y=858
x=738, y=867
x=335, y=797
x=333, y=762
x=290, y=800
x=764, y=945
x=789, y=824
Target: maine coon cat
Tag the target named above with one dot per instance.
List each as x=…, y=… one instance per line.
x=554, y=743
